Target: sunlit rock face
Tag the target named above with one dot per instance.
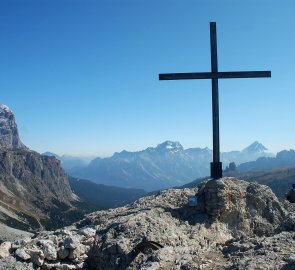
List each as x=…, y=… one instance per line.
x=9, y=137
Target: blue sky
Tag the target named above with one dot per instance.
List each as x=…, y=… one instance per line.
x=82, y=76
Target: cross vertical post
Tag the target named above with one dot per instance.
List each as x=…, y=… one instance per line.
x=214, y=76
x=216, y=165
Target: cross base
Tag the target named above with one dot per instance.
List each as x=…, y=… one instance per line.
x=216, y=169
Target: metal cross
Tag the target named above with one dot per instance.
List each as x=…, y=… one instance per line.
x=214, y=75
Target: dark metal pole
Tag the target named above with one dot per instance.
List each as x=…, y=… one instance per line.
x=216, y=166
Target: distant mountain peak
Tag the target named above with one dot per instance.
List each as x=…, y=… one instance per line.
x=4, y=108
x=255, y=147
x=170, y=146
x=9, y=137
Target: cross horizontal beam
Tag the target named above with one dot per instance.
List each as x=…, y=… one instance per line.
x=215, y=75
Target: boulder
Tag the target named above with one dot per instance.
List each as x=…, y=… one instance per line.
x=4, y=249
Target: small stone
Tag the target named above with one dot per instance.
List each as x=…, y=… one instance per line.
x=25, y=241
x=49, y=250
x=66, y=232
x=81, y=265
x=88, y=232
x=65, y=267
x=71, y=242
x=48, y=266
x=74, y=253
x=22, y=254
x=80, y=259
x=37, y=257
x=89, y=241
x=63, y=252
x=4, y=249
x=290, y=258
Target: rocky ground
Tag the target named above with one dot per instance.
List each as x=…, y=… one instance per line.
x=11, y=234
x=235, y=225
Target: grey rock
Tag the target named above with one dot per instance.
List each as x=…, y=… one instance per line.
x=63, y=252
x=37, y=257
x=9, y=137
x=72, y=242
x=49, y=250
x=246, y=230
x=88, y=232
x=290, y=258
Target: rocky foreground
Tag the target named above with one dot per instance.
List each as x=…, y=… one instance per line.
x=235, y=225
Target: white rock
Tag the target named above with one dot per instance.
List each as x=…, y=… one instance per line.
x=23, y=254
x=89, y=241
x=88, y=232
x=49, y=250
x=4, y=249
x=48, y=266
x=65, y=267
x=81, y=265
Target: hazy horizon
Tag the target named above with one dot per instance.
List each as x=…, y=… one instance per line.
x=145, y=147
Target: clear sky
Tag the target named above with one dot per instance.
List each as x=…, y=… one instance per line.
x=81, y=76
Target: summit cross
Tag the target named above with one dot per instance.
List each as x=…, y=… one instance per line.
x=214, y=75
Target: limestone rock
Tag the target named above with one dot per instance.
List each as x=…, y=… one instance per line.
x=49, y=250
x=4, y=249
x=88, y=232
x=23, y=254
x=235, y=225
x=245, y=207
x=9, y=137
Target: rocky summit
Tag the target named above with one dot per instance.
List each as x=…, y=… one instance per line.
x=9, y=137
x=235, y=225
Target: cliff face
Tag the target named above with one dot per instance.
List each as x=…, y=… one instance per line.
x=33, y=188
x=9, y=137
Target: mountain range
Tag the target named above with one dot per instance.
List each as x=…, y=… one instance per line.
x=70, y=162
x=163, y=166
x=285, y=158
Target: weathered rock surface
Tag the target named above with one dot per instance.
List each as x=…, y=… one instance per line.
x=228, y=211
x=63, y=249
x=236, y=225
x=33, y=188
x=9, y=137
x=4, y=249
x=11, y=234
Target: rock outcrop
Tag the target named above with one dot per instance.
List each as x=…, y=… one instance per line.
x=34, y=190
x=247, y=208
x=235, y=225
x=9, y=137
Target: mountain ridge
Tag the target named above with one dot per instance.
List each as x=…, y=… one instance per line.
x=35, y=191
x=166, y=165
